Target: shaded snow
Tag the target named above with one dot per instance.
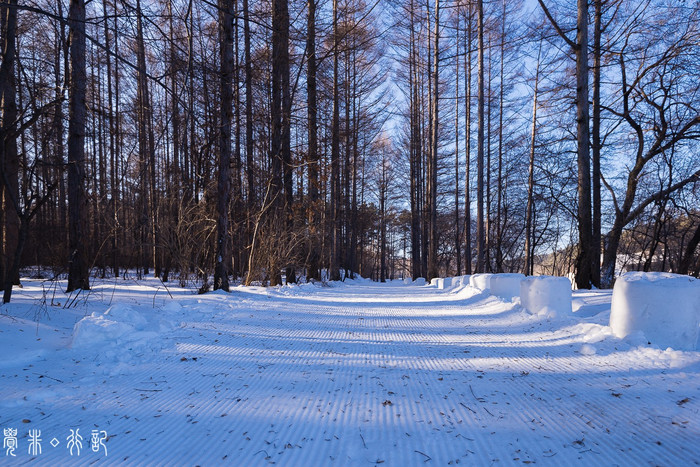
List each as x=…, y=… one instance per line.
x=352, y=373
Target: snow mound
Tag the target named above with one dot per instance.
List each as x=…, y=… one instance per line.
x=546, y=295
x=436, y=281
x=97, y=330
x=120, y=334
x=117, y=323
x=664, y=306
x=419, y=281
x=480, y=281
x=407, y=281
x=506, y=286
x=123, y=313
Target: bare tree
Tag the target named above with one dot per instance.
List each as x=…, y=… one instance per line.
x=585, y=260
x=78, y=270
x=223, y=199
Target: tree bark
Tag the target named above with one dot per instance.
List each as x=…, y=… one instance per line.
x=584, y=260
x=468, y=142
x=458, y=237
x=313, y=185
x=78, y=271
x=596, y=145
x=9, y=157
x=334, y=266
x=529, y=234
x=433, y=234
x=480, y=239
x=223, y=199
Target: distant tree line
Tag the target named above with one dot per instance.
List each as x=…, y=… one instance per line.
x=270, y=141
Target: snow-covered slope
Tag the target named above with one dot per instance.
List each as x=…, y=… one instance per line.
x=352, y=374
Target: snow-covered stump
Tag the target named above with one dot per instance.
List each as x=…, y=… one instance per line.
x=545, y=295
x=664, y=307
x=480, y=281
x=506, y=286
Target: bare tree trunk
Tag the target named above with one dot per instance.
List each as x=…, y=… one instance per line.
x=314, y=207
x=290, y=273
x=415, y=159
x=112, y=151
x=223, y=198
x=689, y=253
x=78, y=271
x=276, y=113
x=9, y=157
x=529, y=235
x=596, y=145
x=432, y=234
x=480, y=235
x=334, y=271
x=584, y=261
x=500, y=190
x=249, y=143
x=468, y=143
x=458, y=237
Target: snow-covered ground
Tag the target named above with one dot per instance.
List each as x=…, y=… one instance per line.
x=357, y=373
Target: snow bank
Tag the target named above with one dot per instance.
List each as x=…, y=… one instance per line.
x=480, y=281
x=437, y=282
x=546, y=295
x=506, y=285
x=664, y=306
x=419, y=281
x=407, y=281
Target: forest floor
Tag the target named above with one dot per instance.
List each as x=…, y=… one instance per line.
x=355, y=373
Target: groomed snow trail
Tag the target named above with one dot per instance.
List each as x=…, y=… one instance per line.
x=366, y=374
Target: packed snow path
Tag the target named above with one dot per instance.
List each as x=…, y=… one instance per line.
x=358, y=374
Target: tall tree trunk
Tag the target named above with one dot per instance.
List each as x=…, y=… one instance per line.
x=9, y=157
x=334, y=271
x=584, y=260
x=501, y=188
x=480, y=235
x=596, y=144
x=468, y=142
x=286, y=151
x=147, y=153
x=78, y=271
x=249, y=143
x=584, y=272
x=458, y=237
x=529, y=235
x=114, y=238
x=314, y=217
x=414, y=151
x=432, y=234
x=223, y=198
